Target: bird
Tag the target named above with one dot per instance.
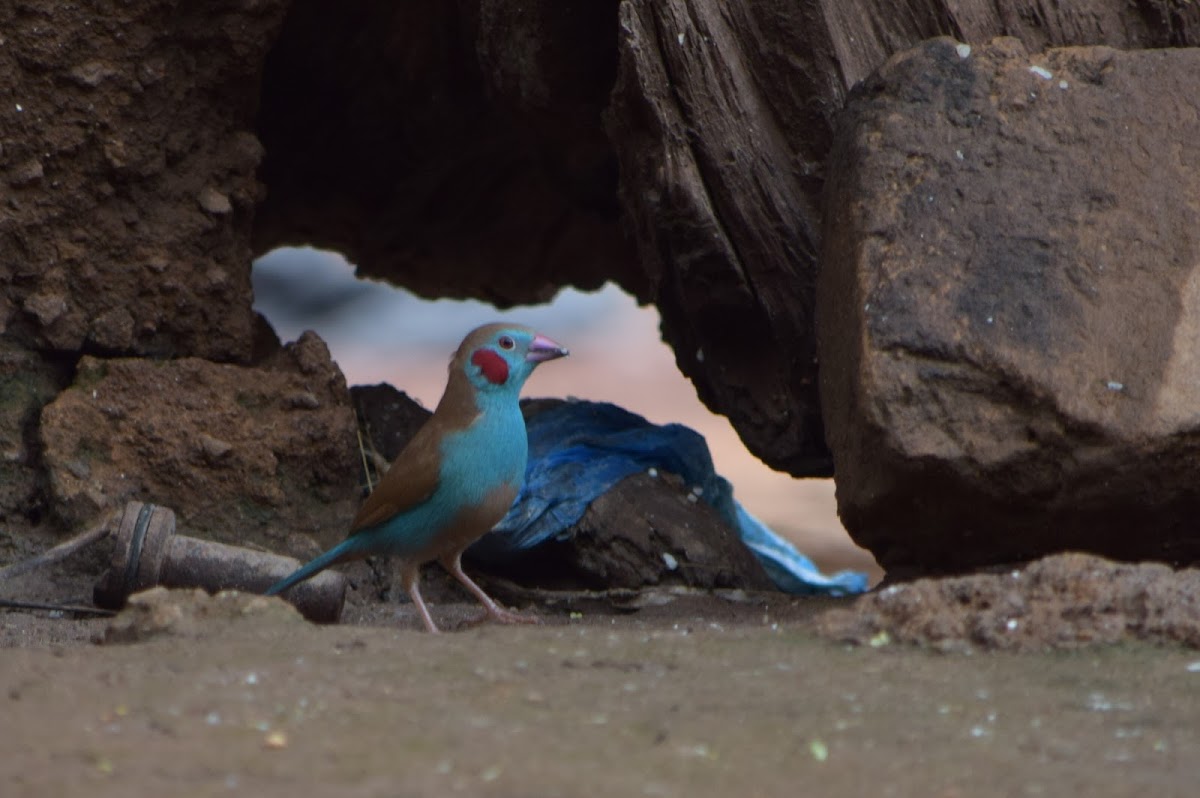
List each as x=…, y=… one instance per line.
x=458, y=475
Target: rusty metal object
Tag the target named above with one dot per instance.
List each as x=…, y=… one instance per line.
x=147, y=552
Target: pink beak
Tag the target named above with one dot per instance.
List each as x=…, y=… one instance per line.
x=542, y=349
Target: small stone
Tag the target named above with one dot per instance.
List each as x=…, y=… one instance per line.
x=214, y=201
x=303, y=400
x=275, y=741
x=113, y=330
x=218, y=278
x=48, y=308
x=92, y=73
x=116, y=153
x=27, y=173
x=214, y=448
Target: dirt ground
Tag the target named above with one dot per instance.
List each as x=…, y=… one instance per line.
x=691, y=694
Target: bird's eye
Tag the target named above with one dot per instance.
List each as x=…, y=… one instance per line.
x=506, y=342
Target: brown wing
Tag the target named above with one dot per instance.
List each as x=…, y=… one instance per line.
x=410, y=480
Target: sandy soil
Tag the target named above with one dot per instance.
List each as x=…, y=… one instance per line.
x=688, y=695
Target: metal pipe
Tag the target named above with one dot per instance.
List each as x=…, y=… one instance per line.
x=147, y=552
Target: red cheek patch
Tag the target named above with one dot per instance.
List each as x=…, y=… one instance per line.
x=492, y=365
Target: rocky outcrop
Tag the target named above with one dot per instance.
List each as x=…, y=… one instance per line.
x=1010, y=305
x=240, y=454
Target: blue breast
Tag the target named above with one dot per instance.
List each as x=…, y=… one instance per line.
x=476, y=461
x=490, y=452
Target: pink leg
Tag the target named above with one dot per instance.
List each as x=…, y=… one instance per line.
x=454, y=566
x=411, y=575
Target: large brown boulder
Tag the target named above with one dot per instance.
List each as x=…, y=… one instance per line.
x=1009, y=307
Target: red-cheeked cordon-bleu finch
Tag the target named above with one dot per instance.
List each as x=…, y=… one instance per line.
x=458, y=475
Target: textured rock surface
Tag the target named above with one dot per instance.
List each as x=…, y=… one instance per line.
x=242, y=455
x=1061, y=601
x=653, y=531
x=722, y=118
x=389, y=417
x=127, y=174
x=713, y=181
x=1010, y=306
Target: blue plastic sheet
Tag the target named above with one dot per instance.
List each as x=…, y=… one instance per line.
x=579, y=450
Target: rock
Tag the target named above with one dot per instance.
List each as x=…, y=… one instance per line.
x=27, y=174
x=48, y=308
x=214, y=449
x=214, y=201
x=194, y=614
x=1064, y=600
x=220, y=444
x=112, y=330
x=92, y=73
x=389, y=417
x=650, y=531
x=117, y=137
x=1010, y=305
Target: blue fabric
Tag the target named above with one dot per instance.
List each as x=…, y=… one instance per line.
x=579, y=450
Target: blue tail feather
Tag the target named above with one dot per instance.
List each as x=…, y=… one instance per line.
x=338, y=553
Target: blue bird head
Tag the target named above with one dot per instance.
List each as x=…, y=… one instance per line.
x=498, y=358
